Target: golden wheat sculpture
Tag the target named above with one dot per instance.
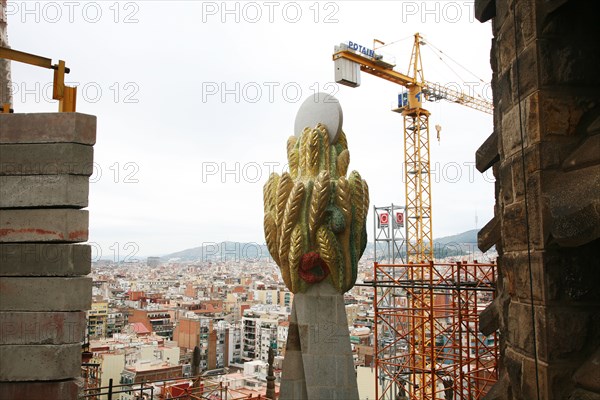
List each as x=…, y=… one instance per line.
x=315, y=217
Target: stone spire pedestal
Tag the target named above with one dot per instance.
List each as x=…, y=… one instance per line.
x=318, y=362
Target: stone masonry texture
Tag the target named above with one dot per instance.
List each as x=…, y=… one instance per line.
x=45, y=162
x=46, y=159
x=48, y=128
x=545, y=155
x=40, y=362
x=43, y=294
x=43, y=225
x=43, y=191
x=41, y=327
x=44, y=259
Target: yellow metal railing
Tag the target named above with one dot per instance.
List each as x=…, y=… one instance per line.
x=66, y=95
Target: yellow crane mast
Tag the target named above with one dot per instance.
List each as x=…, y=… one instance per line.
x=352, y=58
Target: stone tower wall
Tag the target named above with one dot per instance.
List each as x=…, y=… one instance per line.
x=45, y=162
x=546, y=61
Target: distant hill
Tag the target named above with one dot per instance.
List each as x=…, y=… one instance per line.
x=221, y=252
x=446, y=246
x=465, y=237
x=455, y=245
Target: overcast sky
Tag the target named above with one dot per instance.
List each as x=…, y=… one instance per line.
x=195, y=101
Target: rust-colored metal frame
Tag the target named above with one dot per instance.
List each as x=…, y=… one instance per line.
x=439, y=352
x=91, y=376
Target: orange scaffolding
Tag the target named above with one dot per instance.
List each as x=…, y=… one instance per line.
x=427, y=340
x=91, y=377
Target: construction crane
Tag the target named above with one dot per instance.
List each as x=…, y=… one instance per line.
x=349, y=60
x=409, y=361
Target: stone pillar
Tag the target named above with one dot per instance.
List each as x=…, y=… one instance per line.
x=271, y=377
x=45, y=162
x=318, y=362
x=547, y=212
x=5, y=78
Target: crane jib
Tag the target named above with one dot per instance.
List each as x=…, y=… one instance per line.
x=364, y=50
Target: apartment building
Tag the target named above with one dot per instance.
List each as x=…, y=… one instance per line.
x=97, y=319
x=219, y=343
x=259, y=333
x=158, y=320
